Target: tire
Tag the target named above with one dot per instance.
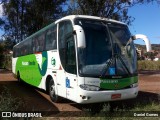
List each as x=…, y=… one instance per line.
x=18, y=77
x=52, y=92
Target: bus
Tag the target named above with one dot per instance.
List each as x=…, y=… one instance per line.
x=85, y=59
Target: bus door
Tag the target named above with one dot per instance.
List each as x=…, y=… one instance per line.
x=71, y=69
x=66, y=46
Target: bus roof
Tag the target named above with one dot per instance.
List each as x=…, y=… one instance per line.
x=89, y=17
x=71, y=17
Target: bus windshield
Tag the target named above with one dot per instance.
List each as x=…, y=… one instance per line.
x=109, y=50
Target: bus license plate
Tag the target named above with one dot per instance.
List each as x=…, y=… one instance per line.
x=115, y=96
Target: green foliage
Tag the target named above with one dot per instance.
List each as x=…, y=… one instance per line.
x=8, y=62
x=5, y=58
x=150, y=55
x=148, y=65
x=24, y=17
x=2, y=56
x=114, y=9
x=123, y=113
x=8, y=43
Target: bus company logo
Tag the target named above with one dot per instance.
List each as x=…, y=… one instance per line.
x=28, y=63
x=25, y=63
x=110, y=81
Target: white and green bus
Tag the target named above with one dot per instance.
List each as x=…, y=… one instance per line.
x=82, y=58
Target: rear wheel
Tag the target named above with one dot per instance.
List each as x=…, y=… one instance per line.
x=18, y=77
x=52, y=92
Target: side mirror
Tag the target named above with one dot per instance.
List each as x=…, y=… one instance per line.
x=81, y=42
x=145, y=39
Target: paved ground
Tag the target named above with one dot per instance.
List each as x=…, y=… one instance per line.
x=149, y=84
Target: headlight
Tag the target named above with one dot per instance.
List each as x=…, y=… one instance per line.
x=134, y=85
x=89, y=87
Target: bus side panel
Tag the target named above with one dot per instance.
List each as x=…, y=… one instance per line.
x=32, y=67
x=52, y=67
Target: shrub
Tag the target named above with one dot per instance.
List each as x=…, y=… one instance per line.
x=148, y=65
x=8, y=62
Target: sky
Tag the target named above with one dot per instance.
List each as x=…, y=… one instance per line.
x=147, y=21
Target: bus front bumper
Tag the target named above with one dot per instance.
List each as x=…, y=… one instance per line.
x=104, y=96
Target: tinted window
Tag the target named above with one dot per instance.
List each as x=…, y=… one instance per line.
x=67, y=47
x=39, y=42
x=71, y=56
x=62, y=49
x=51, y=38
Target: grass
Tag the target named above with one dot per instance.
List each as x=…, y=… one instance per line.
x=118, y=109
x=9, y=102
x=148, y=65
x=125, y=110
x=124, y=114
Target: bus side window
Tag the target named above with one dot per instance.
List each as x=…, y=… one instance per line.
x=17, y=52
x=34, y=44
x=14, y=52
x=41, y=40
x=51, y=39
x=61, y=43
x=38, y=42
x=29, y=46
x=25, y=48
x=70, y=57
x=21, y=49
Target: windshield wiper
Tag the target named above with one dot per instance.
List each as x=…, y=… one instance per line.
x=109, y=63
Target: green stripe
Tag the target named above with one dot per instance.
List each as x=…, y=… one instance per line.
x=118, y=83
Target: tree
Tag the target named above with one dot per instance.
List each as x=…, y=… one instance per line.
x=2, y=57
x=13, y=13
x=24, y=17
x=151, y=55
x=45, y=12
x=114, y=9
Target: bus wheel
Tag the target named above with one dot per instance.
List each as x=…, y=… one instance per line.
x=52, y=91
x=18, y=77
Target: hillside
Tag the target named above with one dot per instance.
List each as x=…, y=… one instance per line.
x=155, y=47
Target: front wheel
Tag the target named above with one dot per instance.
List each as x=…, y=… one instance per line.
x=52, y=92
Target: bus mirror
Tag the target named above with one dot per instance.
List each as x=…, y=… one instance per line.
x=81, y=43
x=145, y=39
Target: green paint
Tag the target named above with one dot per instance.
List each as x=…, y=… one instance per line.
x=44, y=64
x=118, y=83
x=30, y=70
